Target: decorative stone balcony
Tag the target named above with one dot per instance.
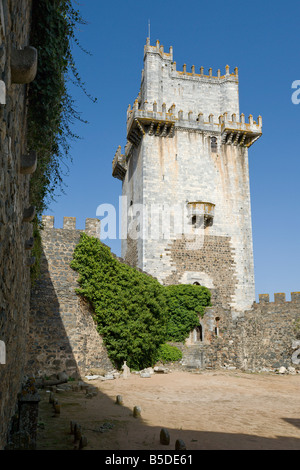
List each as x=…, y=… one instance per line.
x=238, y=132
x=157, y=122
x=202, y=209
x=119, y=165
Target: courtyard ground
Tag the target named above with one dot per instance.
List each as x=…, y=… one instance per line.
x=208, y=410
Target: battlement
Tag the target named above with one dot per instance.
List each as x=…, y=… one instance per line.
x=162, y=121
x=202, y=76
x=159, y=49
x=92, y=226
x=162, y=82
x=279, y=298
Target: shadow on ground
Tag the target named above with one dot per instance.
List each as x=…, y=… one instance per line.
x=108, y=426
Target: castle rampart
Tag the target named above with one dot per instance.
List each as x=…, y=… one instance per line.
x=63, y=335
x=265, y=337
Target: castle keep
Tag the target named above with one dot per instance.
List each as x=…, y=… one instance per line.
x=186, y=163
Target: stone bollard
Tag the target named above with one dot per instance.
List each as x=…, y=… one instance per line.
x=164, y=437
x=119, y=400
x=77, y=432
x=51, y=398
x=180, y=445
x=72, y=426
x=83, y=442
x=56, y=407
x=137, y=412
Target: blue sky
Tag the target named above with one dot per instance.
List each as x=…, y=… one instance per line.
x=262, y=39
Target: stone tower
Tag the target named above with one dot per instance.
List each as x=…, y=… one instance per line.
x=186, y=215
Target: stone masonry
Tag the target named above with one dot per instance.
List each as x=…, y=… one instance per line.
x=266, y=337
x=18, y=65
x=185, y=166
x=63, y=335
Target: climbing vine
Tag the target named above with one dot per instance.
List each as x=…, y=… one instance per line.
x=51, y=108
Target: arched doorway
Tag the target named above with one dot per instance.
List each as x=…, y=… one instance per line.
x=199, y=333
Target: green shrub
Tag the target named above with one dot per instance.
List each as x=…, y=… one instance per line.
x=168, y=353
x=186, y=302
x=130, y=308
x=134, y=313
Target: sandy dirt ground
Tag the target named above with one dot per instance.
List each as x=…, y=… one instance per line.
x=227, y=410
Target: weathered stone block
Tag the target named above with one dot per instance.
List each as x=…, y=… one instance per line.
x=23, y=64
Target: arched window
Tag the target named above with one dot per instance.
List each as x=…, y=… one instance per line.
x=196, y=283
x=213, y=144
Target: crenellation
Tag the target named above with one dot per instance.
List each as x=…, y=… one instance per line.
x=279, y=298
x=295, y=297
x=69, y=223
x=92, y=225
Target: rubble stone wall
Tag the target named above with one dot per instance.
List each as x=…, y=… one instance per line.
x=63, y=335
x=266, y=337
x=15, y=230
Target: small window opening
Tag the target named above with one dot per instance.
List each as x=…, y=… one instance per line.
x=213, y=144
x=217, y=319
x=196, y=283
x=199, y=333
x=208, y=222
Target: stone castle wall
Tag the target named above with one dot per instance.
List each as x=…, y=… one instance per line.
x=63, y=335
x=15, y=214
x=265, y=337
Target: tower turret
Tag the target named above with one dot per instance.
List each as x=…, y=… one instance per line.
x=185, y=179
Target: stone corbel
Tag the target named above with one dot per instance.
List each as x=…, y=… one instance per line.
x=28, y=214
x=29, y=243
x=30, y=261
x=28, y=163
x=23, y=64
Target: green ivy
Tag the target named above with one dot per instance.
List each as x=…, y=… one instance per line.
x=130, y=308
x=51, y=110
x=186, y=303
x=168, y=353
x=135, y=314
